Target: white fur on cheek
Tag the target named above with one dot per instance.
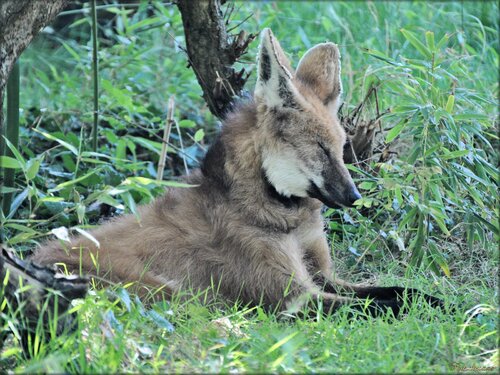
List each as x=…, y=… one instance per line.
x=287, y=173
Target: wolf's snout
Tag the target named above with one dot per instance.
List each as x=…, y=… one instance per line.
x=352, y=196
x=334, y=197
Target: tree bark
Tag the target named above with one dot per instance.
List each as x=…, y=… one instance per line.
x=212, y=51
x=20, y=21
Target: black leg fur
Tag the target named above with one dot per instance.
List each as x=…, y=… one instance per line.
x=383, y=298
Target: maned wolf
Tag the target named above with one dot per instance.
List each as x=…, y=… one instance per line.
x=252, y=225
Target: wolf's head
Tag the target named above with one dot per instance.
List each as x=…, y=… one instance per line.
x=303, y=141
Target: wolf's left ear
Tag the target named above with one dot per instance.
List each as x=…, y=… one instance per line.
x=274, y=74
x=319, y=69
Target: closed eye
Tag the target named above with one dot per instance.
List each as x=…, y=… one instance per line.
x=325, y=150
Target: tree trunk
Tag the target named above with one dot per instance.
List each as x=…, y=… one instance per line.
x=212, y=51
x=20, y=22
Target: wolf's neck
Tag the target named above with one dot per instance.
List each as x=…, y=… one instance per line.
x=233, y=166
x=278, y=198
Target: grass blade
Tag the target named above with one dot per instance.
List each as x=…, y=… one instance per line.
x=419, y=46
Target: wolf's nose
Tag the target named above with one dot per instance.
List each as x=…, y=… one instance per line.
x=353, y=195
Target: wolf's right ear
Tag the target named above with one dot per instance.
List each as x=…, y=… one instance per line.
x=319, y=69
x=274, y=84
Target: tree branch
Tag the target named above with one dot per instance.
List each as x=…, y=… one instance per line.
x=212, y=52
x=20, y=22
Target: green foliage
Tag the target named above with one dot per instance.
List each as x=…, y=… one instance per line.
x=445, y=184
x=435, y=204
x=60, y=180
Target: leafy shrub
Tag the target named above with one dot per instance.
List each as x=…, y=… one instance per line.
x=445, y=182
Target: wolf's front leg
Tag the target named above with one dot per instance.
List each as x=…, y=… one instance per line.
x=376, y=299
x=320, y=265
x=393, y=294
x=273, y=273
x=382, y=298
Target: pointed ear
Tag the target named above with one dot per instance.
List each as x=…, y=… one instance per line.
x=319, y=69
x=274, y=75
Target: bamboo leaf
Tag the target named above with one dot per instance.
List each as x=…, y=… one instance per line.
x=8, y=162
x=416, y=246
x=429, y=39
x=73, y=182
x=198, y=136
x=281, y=342
x=381, y=56
x=7, y=190
x=107, y=199
x=17, y=202
x=160, y=321
x=493, y=225
x=60, y=141
x=16, y=153
x=395, y=131
x=147, y=181
x=130, y=203
x=438, y=258
x=442, y=41
x=87, y=235
x=440, y=223
x=455, y=154
x=417, y=43
x=32, y=167
x=146, y=143
x=450, y=103
x=406, y=219
x=467, y=172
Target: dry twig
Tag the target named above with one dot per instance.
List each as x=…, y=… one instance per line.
x=166, y=135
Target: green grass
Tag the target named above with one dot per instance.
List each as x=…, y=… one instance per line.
x=434, y=231
x=117, y=335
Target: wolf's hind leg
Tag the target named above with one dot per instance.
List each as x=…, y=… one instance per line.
x=106, y=268
x=392, y=297
x=397, y=293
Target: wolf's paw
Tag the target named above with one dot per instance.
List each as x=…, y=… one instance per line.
x=397, y=299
